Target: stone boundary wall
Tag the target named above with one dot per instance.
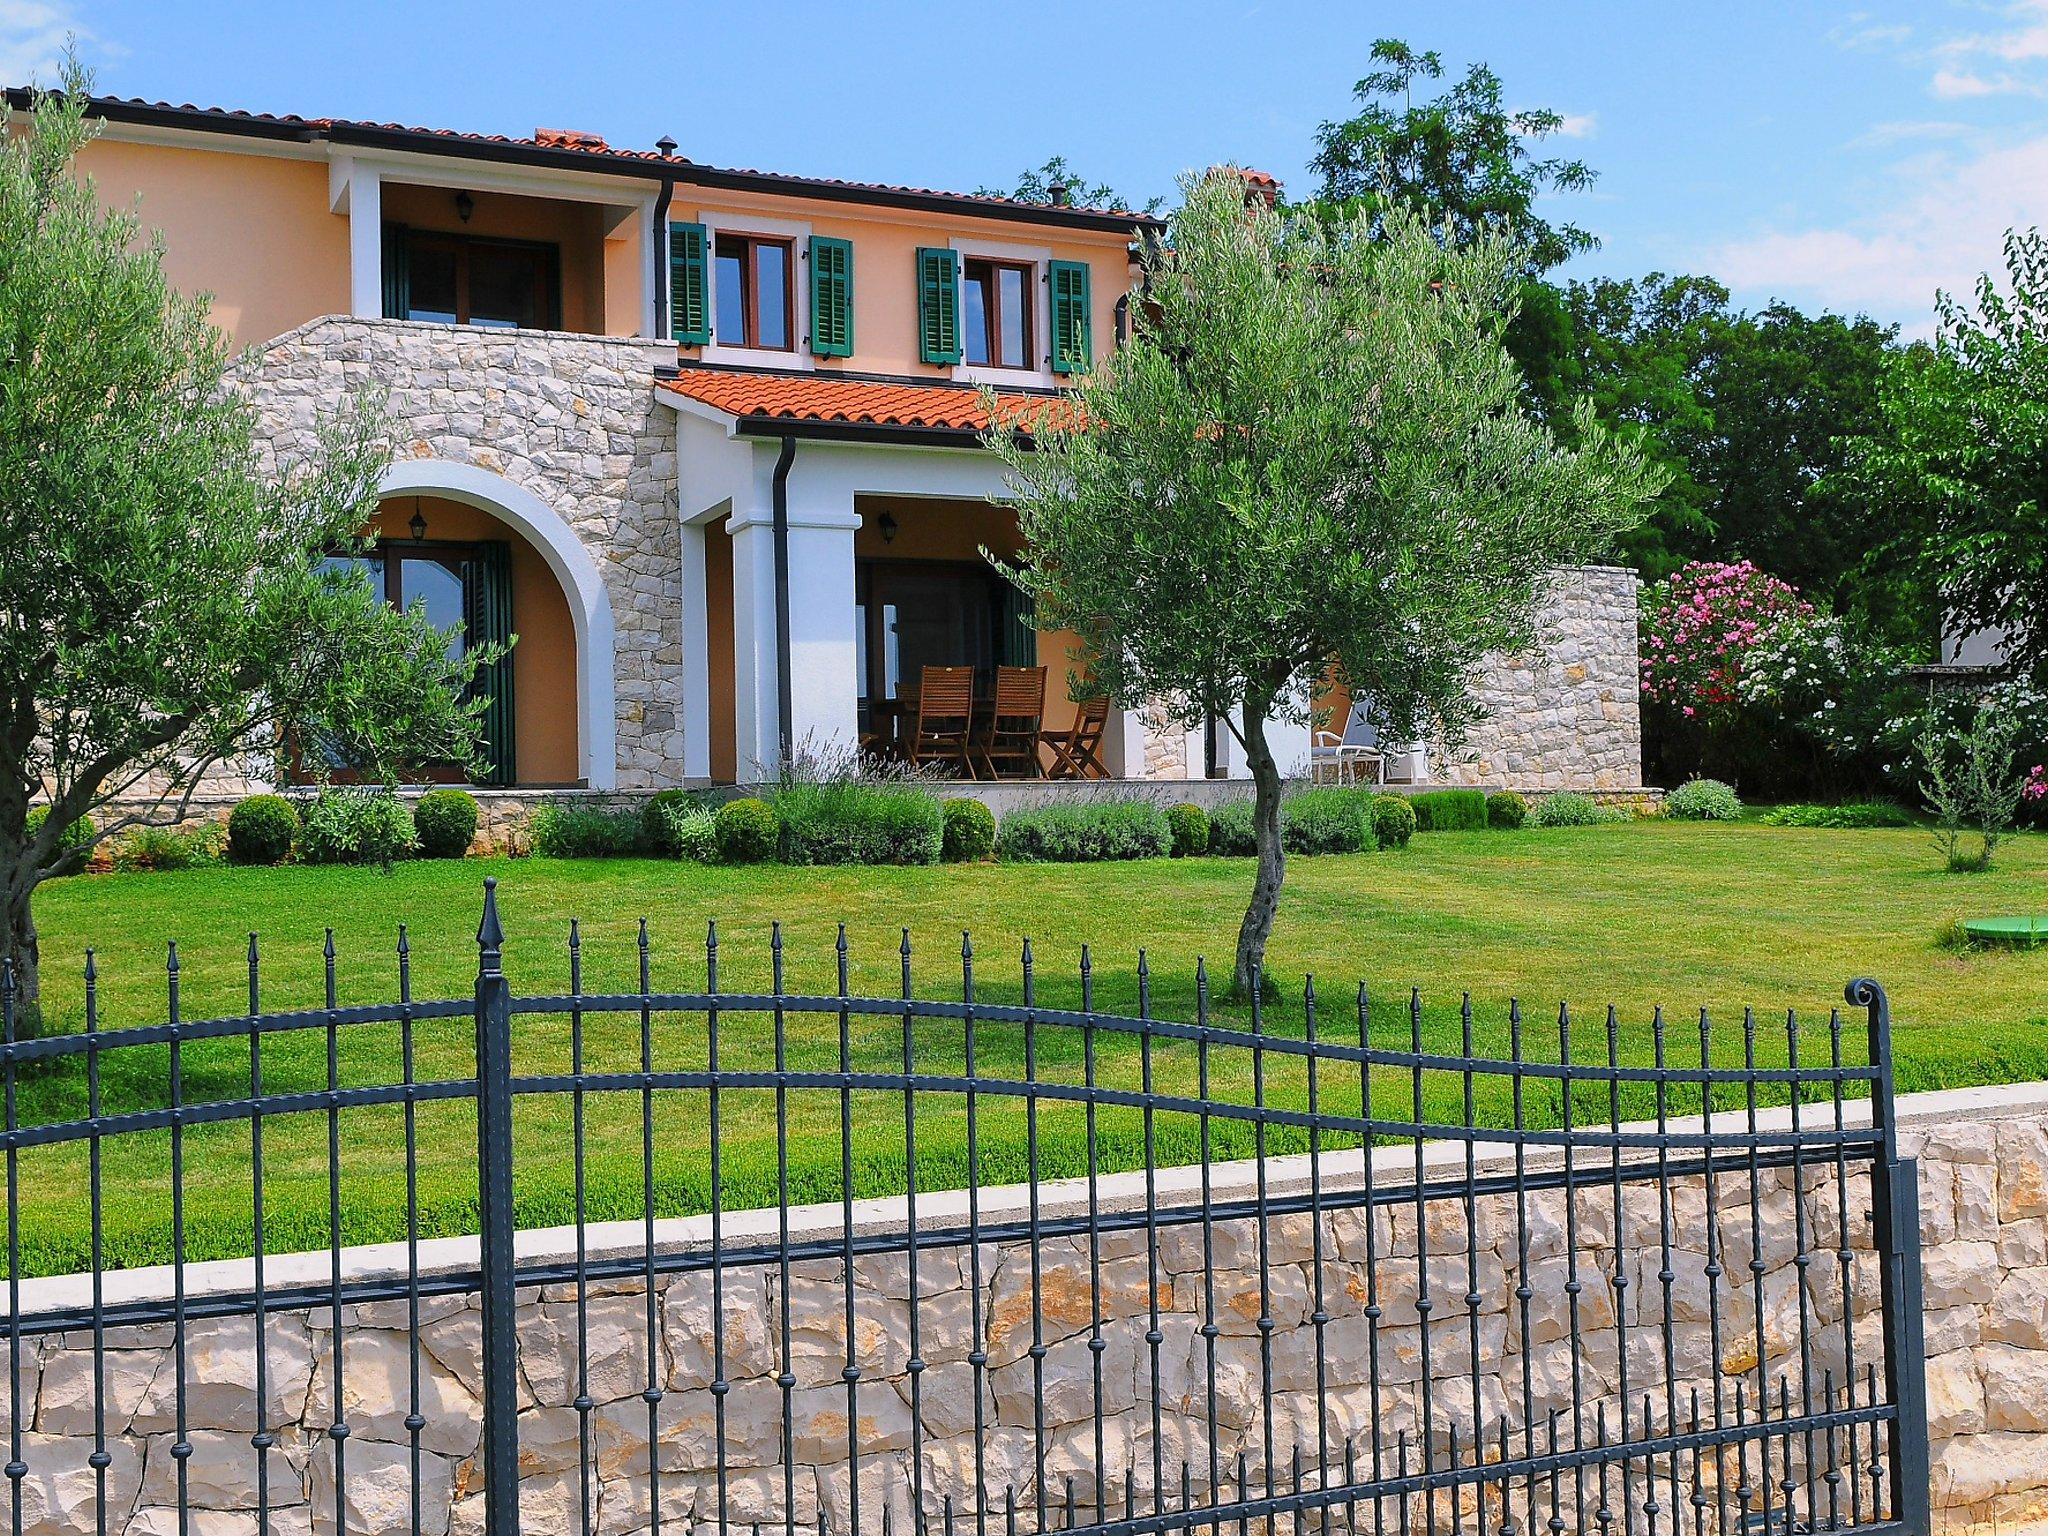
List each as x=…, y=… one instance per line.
x=1564, y=714
x=1984, y=1193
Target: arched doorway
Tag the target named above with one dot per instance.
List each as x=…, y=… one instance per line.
x=479, y=549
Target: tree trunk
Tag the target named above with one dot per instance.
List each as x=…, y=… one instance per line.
x=1257, y=927
x=18, y=946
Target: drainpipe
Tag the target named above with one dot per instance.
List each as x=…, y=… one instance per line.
x=667, y=146
x=785, y=717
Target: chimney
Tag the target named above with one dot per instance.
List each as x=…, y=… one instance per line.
x=667, y=145
x=1058, y=192
x=569, y=138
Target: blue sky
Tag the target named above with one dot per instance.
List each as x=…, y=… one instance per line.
x=1855, y=156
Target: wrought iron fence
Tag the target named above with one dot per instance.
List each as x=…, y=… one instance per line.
x=1647, y=1280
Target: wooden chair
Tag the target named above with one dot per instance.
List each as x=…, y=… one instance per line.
x=1006, y=736
x=1075, y=751
x=945, y=718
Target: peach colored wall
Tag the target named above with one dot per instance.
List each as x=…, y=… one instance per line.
x=252, y=230
x=959, y=530
x=574, y=228
x=885, y=243
x=544, y=660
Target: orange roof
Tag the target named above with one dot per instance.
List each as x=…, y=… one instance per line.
x=866, y=402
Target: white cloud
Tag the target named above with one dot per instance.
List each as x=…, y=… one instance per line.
x=1940, y=221
x=32, y=40
x=1579, y=125
x=1858, y=31
x=2026, y=41
x=1953, y=84
x=1885, y=135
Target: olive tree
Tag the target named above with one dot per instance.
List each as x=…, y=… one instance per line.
x=1310, y=461
x=166, y=600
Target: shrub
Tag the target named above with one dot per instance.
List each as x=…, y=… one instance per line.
x=168, y=848
x=1703, y=800
x=445, y=821
x=749, y=831
x=77, y=835
x=1189, y=827
x=1085, y=833
x=1699, y=626
x=1393, y=821
x=1230, y=830
x=847, y=821
x=1569, y=808
x=1449, y=810
x=261, y=829
x=1324, y=821
x=355, y=826
x=1850, y=814
x=1506, y=811
x=584, y=832
x=967, y=831
x=675, y=826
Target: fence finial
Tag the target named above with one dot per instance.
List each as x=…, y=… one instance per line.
x=490, y=934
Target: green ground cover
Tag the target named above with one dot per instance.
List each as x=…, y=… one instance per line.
x=1685, y=915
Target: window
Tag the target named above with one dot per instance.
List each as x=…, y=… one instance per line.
x=466, y=280
x=995, y=313
x=751, y=278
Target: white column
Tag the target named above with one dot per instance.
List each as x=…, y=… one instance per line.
x=355, y=191
x=823, y=684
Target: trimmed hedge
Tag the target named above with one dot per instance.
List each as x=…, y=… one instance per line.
x=1703, y=800
x=1189, y=827
x=1318, y=821
x=1393, y=821
x=261, y=829
x=445, y=823
x=1085, y=833
x=848, y=822
x=356, y=826
x=77, y=835
x=1506, y=811
x=1449, y=810
x=967, y=831
x=584, y=832
x=749, y=831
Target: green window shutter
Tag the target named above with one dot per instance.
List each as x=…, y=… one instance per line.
x=1071, y=349
x=1016, y=640
x=487, y=619
x=831, y=297
x=397, y=274
x=938, y=305
x=689, y=292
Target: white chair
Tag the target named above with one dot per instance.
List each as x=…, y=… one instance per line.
x=1336, y=757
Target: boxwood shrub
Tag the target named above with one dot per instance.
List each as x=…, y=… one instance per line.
x=967, y=831
x=1189, y=827
x=1085, y=832
x=445, y=822
x=1506, y=811
x=1449, y=810
x=1393, y=821
x=1325, y=821
x=749, y=831
x=261, y=829
x=846, y=821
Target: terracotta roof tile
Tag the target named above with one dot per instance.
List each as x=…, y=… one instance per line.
x=824, y=398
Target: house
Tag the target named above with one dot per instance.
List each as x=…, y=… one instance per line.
x=705, y=438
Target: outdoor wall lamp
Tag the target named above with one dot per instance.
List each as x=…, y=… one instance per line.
x=465, y=205
x=418, y=525
x=887, y=524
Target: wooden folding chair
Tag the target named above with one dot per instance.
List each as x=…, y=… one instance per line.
x=1006, y=737
x=945, y=718
x=1075, y=751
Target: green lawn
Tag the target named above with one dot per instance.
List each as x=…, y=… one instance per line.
x=1633, y=915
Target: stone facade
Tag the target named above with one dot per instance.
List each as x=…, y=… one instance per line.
x=571, y=419
x=1541, y=1279
x=1563, y=714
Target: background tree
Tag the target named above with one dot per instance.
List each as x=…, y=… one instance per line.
x=1957, y=468
x=1311, y=457
x=1035, y=186
x=164, y=601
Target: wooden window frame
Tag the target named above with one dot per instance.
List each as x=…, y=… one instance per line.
x=992, y=310
x=463, y=245
x=749, y=284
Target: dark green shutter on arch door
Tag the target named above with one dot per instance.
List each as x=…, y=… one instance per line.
x=488, y=598
x=397, y=274
x=1016, y=640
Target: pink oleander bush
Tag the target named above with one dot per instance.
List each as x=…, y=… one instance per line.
x=1699, y=626
x=2037, y=783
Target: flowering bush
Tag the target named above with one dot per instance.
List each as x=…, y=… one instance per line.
x=2037, y=783
x=1700, y=626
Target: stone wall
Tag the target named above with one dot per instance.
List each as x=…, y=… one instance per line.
x=1563, y=714
x=571, y=419
x=1540, y=1280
